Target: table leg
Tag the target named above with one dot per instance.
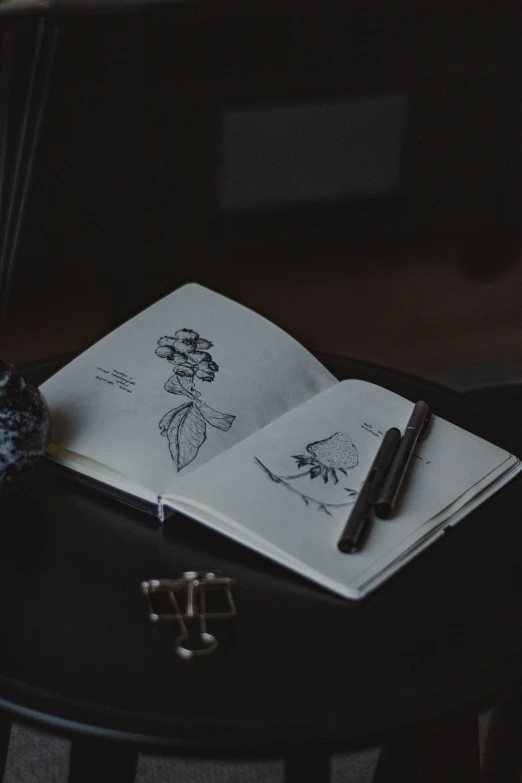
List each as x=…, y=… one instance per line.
x=315, y=769
x=5, y=733
x=93, y=760
x=451, y=755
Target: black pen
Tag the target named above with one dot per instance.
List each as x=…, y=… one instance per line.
x=360, y=518
x=415, y=431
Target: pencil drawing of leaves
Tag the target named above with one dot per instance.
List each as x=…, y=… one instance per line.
x=185, y=426
x=181, y=384
x=223, y=421
x=186, y=432
x=165, y=421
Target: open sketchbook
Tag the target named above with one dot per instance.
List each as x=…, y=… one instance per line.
x=199, y=405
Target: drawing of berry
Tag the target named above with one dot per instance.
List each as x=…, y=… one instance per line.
x=185, y=427
x=199, y=356
x=187, y=334
x=164, y=352
x=329, y=455
x=187, y=350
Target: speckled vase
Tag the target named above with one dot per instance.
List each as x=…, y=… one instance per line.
x=24, y=426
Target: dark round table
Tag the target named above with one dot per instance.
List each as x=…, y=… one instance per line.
x=298, y=674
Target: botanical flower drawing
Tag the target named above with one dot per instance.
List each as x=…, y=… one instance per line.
x=326, y=458
x=185, y=427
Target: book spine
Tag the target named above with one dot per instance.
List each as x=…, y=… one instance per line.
x=160, y=511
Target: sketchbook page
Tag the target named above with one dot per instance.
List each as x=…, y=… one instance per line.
x=98, y=472
x=445, y=518
x=503, y=476
x=196, y=368
x=292, y=484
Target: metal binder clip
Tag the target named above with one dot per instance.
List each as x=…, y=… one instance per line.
x=194, y=587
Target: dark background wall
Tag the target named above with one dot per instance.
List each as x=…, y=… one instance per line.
x=114, y=219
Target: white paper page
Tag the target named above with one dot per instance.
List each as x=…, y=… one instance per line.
x=108, y=403
x=98, y=472
x=446, y=517
x=254, y=488
x=505, y=473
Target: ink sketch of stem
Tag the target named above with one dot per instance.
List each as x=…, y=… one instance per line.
x=325, y=459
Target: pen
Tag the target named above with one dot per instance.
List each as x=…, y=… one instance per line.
x=360, y=518
x=415, y=431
